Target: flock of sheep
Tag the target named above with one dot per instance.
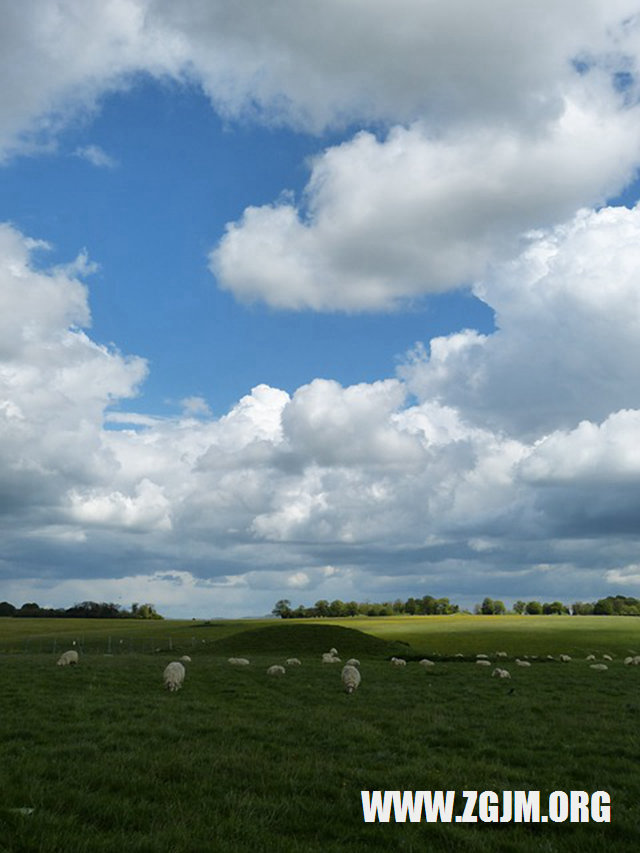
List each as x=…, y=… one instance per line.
x=174, y=673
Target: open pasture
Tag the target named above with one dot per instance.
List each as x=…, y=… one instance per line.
x=518, y=635
x=236, y=761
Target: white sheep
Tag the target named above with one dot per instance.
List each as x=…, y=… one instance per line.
x=501, y=654
x=607, y=657
x=333, y=652
x=426, y=662
x=483, y=662
x=482, y=656
x=276, y=669
x=398, y=661
x=238, y=662
x=501, y=673
x=174, y=675
x=590, y=657
x=522, y=662
x=69, y=658
x=329, y=657
x=636, y=660
x=627, y=661
x=598, y=666
x=294, y=662
x=350, y=677
x=353, y=662
x=564, y=658
x=185, y=659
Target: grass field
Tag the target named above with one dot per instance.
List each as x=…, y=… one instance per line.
x=109, y=761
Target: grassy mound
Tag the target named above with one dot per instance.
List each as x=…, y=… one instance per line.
x=296, y=640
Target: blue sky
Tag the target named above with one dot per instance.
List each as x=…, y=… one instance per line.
x=332, y=304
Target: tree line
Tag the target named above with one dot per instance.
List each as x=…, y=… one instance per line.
x=425, y=606
x=83, y=610
x=618, y=605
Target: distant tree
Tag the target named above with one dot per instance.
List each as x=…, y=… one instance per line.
x=351, y=608
x=6, y=609
x=322, y=607
x=489, y=607
x=282, y=608
x=556, y=608
x=519, y=607
x=427, y=605
x=603, y=607
x=398, y=606
x=29, y=608
x=148, y=611
x=534, y=608
x=337, y=608
x=411, y=606
x=582, y=608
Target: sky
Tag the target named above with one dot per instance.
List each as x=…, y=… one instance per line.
x=317, y=301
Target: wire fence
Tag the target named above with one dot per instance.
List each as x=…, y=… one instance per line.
x=100, y=645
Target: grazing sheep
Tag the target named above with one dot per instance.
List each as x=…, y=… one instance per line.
x=522, y=662
x=333, y=652
x=599, y=666
x=564, y=658
x=501, y=654
x=590, y=657
x=627, y=661
x=294, y=662
x=501, y=673
x=174, y=676
x=238, y=661
x=607, y=657
x=353, y=662
x=69, y=658
x=483, y=662
x=398, y=661
x=328, y=657
x=482, y=656
x=426, y=662
x=185, y=658
x=350, y=677
x=276, y=669
x=458, y=655
x=636, y=660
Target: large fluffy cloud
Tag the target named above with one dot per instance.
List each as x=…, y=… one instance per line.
x=55, y=382
x=567, y=320
x=388, y=220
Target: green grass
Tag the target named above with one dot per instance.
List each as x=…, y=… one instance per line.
x=517, y=635
x=236, y=761
x=101, y=636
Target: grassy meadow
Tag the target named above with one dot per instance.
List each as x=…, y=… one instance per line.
x=99, y=757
